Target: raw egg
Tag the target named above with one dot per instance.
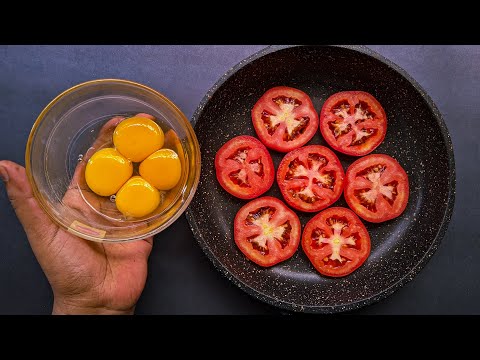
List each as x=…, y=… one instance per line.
x=138, y=137
x=106, y=171
x=162, y=169
x=137, y=198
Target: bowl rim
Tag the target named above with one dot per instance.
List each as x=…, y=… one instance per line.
x=175, y=108
x=442, y=229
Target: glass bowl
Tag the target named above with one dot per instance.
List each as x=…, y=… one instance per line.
x=72, y=127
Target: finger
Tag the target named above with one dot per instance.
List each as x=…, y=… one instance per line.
x=106, y=132
x=145, y=115
x=149, y=240
x=34, y=220
x=104, y=136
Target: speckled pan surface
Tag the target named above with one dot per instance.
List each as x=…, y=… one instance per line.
x=417, y=137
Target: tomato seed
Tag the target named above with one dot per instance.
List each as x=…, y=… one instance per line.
x=257, y=167
x=279, y=100
x=393, y=191
x=365, y=200
x=239, y=178
x=285, y=238
x=240, y=155
x=339, y=128
x=267, y=122
x=295, y=170
x=255, y=245
x=363, y=112
x=257, y=214
x=341, y=109
x=297, y=130
x=316, y=237
x=365, y=135
x=374, y=169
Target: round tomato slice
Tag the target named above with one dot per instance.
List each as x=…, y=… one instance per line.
x=336, y=242
x=353, y=122
x=267, y=231
x=284, y=118
x=310, y=178
x=376, y=188
x=244, y=167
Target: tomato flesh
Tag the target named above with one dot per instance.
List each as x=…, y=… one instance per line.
x=267, y=231
x=284, y=118
x=353, y=122
x=310, y=178
x=336, y=242
x=244, y=167
x=376, y=188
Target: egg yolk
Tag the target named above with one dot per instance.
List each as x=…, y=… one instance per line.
x=162, y=169
x=137, y=198
x=137, y=137
x=106, y=171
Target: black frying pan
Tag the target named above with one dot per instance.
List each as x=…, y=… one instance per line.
x=417, y=137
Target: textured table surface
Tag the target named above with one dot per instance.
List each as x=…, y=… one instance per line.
x=181, y=278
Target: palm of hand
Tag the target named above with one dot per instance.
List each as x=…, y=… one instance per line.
x=86, y=277
x=108, y=276
x=96, y=275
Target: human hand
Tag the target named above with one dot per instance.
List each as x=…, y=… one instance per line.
x=86, y=277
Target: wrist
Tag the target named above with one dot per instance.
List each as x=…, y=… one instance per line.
x=63, y=307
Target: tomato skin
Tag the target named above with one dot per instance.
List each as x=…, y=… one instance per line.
x=393, y=177
x=284, y=223
x=332, y=114
x=257, y=165
x=351, y=242
x=333, y=170
x=304, y=129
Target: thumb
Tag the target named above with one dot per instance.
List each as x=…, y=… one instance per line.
x=35, y=221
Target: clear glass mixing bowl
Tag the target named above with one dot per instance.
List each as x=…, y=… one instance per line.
x=65, y=135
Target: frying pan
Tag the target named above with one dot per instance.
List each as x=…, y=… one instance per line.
x=416, y=136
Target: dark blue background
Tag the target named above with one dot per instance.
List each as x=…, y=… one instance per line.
x=181, y=278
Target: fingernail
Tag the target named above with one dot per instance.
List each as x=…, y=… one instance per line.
x=3, y=174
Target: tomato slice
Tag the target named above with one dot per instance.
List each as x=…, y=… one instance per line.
x=244, y=167
x=267, y=231
x=336, y=242
x=284, y=118
x=353, y=122
x=310, y=178
x=376, y=188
